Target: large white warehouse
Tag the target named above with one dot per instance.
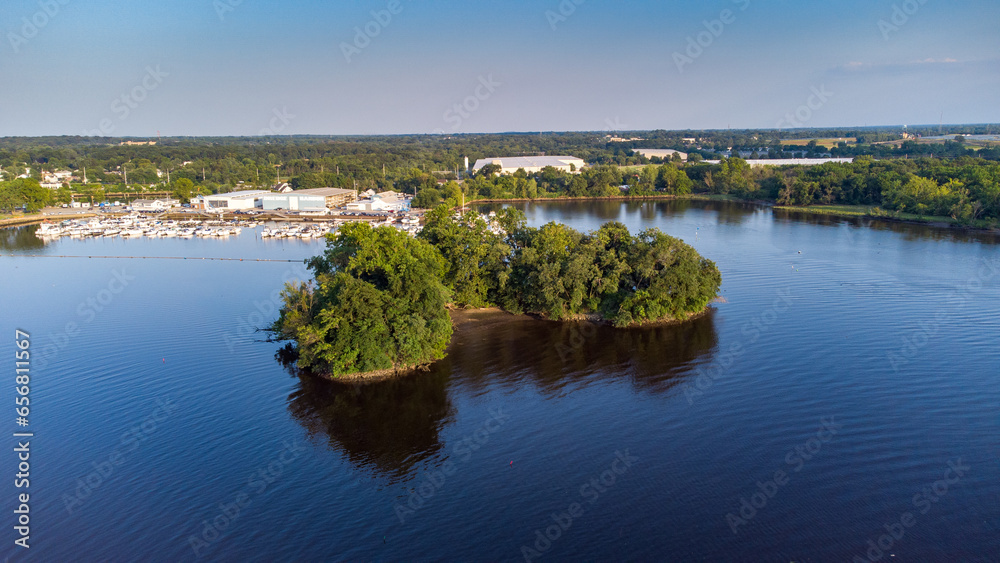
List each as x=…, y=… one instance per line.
x=235, y=200
x=531, y=164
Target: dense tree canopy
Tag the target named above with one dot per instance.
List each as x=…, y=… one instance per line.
x=379, y=297
x=557, y=272
x=377, y=303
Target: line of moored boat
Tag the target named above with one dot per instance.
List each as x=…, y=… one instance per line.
x=134, y=227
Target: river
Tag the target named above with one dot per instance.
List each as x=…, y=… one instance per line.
x=842, y=402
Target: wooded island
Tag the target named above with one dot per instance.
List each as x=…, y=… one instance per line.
x=379, y=300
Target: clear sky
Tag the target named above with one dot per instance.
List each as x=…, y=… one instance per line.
x=246, y=67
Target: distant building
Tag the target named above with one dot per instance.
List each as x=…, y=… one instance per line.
x=154, y=204
x=139, y=143
x=248, y=199
x=665, y=154
x=335, y=197
x=788, y=161
x=531, y=164
x=384, y=202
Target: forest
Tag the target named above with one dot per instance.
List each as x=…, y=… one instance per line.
x=378, y=301
x=950, y=179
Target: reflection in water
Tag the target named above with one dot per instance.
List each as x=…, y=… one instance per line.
x=393, y=425
x=20, y=239
x=388, y=427
x=910, y=231
x=493, y=347
x=596, y=212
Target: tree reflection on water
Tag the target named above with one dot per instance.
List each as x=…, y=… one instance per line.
x=392, y=426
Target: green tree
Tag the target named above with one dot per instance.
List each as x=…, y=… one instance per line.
x=377, y=303
x=183, y=190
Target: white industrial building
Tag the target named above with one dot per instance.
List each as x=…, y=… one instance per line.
x=293, y=201
x=155, y=204
x=757, y=163
x=385, y=201
x=248, y=199
x=665, y=154
x=531, y=164
x=334, y=197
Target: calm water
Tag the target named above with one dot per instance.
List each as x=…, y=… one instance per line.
x=644, y=444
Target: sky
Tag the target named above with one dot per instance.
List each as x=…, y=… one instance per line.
x=350, y=67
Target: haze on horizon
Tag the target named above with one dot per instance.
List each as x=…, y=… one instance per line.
x=249, y=67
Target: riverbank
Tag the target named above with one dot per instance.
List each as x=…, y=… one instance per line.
x=655, y=197
x=20, y=221
x=867, y=212
x=845, y=211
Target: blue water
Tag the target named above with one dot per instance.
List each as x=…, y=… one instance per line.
x=886, y=332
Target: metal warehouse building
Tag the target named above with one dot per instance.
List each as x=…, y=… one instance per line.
x=293, y=201
x=532, y=164
x=234, y=200
x=335, y=197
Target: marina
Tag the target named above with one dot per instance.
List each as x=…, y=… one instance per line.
x=135, y=226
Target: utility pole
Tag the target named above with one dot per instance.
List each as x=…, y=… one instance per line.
x=125, y=171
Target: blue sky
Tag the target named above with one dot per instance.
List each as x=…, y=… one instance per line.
x=232, y=67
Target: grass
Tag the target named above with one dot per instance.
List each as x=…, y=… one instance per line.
x=840, y=210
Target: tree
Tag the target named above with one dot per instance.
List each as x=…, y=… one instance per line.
x=183, y=190
x=377, y=303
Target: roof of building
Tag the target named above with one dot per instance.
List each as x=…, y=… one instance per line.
x=325, y=192
x=788, y=161
x=237, y=195
x=516, y=162
x=659, y=153
x=297, y=194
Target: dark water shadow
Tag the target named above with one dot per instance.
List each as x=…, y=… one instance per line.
x=389, y=427
x=392, y=426
x=20, y=239
x=498, y=349
x=909, y=231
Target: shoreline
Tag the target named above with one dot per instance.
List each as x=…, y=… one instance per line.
x=461, y=317
x=838, y=211
x=829, y=211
